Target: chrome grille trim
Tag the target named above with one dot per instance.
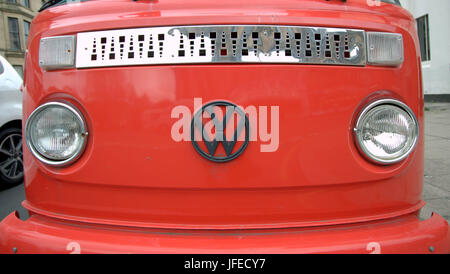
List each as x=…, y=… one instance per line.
x=221, y=44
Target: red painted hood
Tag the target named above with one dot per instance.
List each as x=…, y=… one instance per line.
x=215, y=9
x=134, y=173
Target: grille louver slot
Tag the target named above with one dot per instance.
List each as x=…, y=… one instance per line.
x=221, y=44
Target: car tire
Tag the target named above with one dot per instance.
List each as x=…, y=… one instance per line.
x=11, y=159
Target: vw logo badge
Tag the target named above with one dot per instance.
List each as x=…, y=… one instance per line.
x=237, y=140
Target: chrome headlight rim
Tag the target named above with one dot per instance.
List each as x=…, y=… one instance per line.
x=367, y=154
x=84, y=134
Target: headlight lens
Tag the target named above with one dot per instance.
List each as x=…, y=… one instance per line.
x=387, y=131
x=56, y=133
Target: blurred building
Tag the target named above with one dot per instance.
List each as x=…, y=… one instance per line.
x=433, y=24
x=15, y=20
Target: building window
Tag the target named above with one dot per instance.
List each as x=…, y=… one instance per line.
x=26, y=30
x=14, y=38
x=424, y=37
x=19, y=69
x=26, y=3
x=11, y=1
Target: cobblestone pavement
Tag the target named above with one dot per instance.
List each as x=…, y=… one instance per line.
x=436, y=190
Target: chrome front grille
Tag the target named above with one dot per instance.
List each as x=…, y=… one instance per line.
x=221, y=44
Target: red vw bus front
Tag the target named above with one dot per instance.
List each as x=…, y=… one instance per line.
x=223, y=127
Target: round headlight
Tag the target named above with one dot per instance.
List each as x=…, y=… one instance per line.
x=387, y=131
x=56, y=133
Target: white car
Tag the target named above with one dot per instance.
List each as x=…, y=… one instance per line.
x=11, y=165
